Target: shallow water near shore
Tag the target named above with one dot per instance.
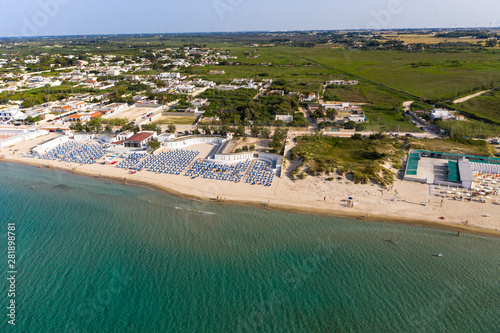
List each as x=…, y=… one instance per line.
x=95, y=256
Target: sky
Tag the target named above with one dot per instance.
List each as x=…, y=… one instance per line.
x=78, y=17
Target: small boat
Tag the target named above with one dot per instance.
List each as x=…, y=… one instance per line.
x=438, y=255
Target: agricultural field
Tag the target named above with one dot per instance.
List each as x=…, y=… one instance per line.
x=486, y=106
x=428, y=75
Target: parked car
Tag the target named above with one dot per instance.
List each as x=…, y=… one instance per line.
x=494, y=142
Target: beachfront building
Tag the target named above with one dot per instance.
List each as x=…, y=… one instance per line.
x=140, y=140
x=19, y=136
x=448, y=169
x=8, y=113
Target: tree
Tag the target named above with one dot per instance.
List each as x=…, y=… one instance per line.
x=32, y=101
x=266, y=132
x=206, y=129
x=350, y=125
x=171, y=128
x=154, y=144
x=77, y=127
x=224, y=130
x=491, y=42
x=255, y=131
x=108, y=128
x=331, y=114
x=32, y=120
x=240, y=130
x=279, y=137
x=94, y=125
x=129, y=127
x=151, y=127
x=319, y=113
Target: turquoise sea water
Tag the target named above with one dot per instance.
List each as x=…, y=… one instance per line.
x=93, y=256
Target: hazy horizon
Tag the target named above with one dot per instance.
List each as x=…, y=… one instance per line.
x=39, y=18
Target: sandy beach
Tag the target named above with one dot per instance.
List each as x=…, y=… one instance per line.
x=406, y=202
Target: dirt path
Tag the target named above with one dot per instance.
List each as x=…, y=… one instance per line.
x=407, y=105
x=466, y=98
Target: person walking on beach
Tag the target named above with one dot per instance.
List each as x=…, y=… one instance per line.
x=324, y=199
x=442, y=202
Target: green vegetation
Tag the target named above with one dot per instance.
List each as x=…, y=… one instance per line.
x=154, y=144
x=474, y=129
x=91, y=126
x=177, y=120
x=486, y=106
x=152, y=127
x=366, y=159
x=239, y=107
x=454, y=146
x=278, y=141
x=362, y=159
x=446, y=73
x=390, y=71
x=115, y=121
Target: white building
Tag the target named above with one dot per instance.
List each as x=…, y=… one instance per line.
x=10, y=113
x=113, y=72
x=442, y=114
x=285, y=118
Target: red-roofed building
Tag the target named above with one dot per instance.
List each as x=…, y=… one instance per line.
x=83, y=117
x=62, y=108
x=139, y=140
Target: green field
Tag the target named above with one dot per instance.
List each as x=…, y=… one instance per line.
x=454, y=146
x=434, y=76
x=486, y=106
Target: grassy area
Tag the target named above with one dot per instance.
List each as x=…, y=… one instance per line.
x=430, y=75
x=470, y=129
x=382, y=108
x=486, y=106
x=165, y=120
x=371, y=159
x=387, y=120
x=362, y=159
x=454, y=146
